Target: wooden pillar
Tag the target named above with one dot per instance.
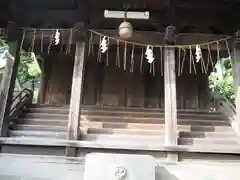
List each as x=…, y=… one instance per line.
x=76, y=92
x=170, y=97
x=236, y=69
x=170, y=93
x=9, y=75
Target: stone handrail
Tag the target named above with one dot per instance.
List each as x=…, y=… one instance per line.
x=21, y=99
x=228, y=109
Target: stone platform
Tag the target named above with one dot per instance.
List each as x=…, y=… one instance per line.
x=29, y=167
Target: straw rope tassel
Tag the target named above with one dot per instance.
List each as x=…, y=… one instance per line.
x=62, y=41
x=89, y=44
x=118, y=55
x=42, y=40
x=183, y=61
x=210, y=57
x=179, y=61
x=107, y=53
x=161, y=61
x=194, y=66
x=190, y=60
x=125, y=57
x=141, y=63
x=228, y=50
x=99, y=50
x=23, y=38
x=132, y=60
x=154, y=68
x=50, y=42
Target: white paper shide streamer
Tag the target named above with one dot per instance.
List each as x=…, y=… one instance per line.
x=198, y=53
x=149, y=54
x=57, y=37
x=104, y=45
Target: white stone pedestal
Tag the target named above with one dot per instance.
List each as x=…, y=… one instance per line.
x=119, y=167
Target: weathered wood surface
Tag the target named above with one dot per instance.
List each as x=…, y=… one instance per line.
x=170, y=97
x=76, y=96
x=141, y=89
x=101, y=83
x=57, y=14
x=58, y=78
x=77, y=81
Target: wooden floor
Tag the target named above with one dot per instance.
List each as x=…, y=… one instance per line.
x=28, y=167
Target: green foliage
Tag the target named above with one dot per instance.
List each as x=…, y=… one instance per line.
x=222, y=80
x=28, y=67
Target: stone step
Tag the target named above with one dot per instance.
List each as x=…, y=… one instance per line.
x=28, y=127
x=123, y=138
x=141, y=109
x=38, y=134
x=45, y=116
x=180, y=115
x=47, y=110
x=125, y=131
x=117, y=108
x=123, y=112
x=230, y=134
x=149, y=126
x=122, y=125
x=202, y=128
x=119, y=114
x=207, y=141
x=48, y=106
x=157, y=120
x=39, y=121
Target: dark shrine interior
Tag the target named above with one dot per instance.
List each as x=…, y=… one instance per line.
x=202, y=16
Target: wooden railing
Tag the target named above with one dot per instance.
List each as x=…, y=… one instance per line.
x=20, y=100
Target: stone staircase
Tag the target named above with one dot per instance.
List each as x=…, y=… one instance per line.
x=140, y=126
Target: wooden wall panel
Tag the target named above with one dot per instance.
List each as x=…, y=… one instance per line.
x=91, y=83
x=110, y=85
x=59, y=79
x=123, y=88
x=113, y=82
x=135, y=84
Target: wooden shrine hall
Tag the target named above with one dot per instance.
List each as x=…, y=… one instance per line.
x=100, y=92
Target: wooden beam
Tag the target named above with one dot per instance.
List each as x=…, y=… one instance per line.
x=9, y=76
x=76, y=94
